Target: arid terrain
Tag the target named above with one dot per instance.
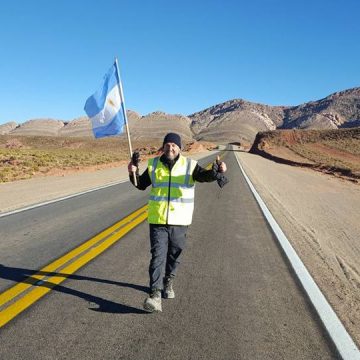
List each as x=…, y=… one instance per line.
x=24, y=157
x=334, y=152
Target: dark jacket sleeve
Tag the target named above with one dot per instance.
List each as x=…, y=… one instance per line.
x=202, y=175
x=143, y=181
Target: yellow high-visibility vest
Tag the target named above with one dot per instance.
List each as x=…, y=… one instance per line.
x=172, y=193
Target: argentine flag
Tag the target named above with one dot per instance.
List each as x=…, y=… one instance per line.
x=103, y=108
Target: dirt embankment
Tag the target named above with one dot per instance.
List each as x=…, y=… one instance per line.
x=335, y=152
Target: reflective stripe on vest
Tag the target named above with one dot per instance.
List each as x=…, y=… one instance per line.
x=171, y=198
x=165, y=198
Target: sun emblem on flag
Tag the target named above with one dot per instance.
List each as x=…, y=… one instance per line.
x=110, y=102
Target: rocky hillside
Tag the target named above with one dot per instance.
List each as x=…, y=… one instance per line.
x=152, y=126
x=8, y=127
x=232, y=121
x=239, y=120
x=45, y=127
x=157, y=124
x=341, y=109
x=235, y=120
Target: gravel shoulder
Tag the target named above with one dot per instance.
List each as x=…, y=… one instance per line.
x=319, y=214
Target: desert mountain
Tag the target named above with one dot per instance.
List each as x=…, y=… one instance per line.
x=46, y=127
x=8, y=127
x=341, y=109
x=238, y=120
x=151, y=126
x=232, y=121
x=157, y=124
x=235, y=120
x=78, y=127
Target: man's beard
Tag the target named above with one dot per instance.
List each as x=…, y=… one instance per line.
x=169, y=155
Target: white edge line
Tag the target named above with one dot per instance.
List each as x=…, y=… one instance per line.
x=336, y=330
x=61, y=198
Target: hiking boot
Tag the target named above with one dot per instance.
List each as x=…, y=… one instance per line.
x=153, y=302
x=169, y=292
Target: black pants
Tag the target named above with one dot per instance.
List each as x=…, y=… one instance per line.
x=167, y=242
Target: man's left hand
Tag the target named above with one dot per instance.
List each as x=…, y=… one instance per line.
x=222, y=167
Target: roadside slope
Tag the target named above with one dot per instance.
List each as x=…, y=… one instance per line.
x=335, y=152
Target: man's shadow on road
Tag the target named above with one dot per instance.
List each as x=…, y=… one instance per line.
x=98, y=304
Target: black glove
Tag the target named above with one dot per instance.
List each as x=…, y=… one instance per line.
x=215, y=168
x=135, y=159
x=221, y=179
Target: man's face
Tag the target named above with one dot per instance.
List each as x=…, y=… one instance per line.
x=171, y=150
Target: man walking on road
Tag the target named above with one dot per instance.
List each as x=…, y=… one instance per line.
x=171, y=203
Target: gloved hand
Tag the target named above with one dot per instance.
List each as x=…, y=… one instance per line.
x=135, y=159
x=215, y=168
x=221, y=179
x=133, y=166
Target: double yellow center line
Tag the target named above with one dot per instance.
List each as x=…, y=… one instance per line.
x=22, y=295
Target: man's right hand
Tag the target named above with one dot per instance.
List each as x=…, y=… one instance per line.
x=131, y=168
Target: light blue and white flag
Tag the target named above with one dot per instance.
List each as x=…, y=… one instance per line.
x=104, y=107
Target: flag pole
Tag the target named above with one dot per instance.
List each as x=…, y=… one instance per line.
x=122, y=101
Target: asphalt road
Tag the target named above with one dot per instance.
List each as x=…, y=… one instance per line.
x=236, y=297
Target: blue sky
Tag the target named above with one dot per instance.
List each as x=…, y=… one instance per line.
x=175, y=56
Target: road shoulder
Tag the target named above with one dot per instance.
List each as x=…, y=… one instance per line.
x=318, y=214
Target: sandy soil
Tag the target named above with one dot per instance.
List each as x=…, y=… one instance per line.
x=319, y=214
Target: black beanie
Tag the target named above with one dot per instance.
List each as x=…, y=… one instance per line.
x=172, y=138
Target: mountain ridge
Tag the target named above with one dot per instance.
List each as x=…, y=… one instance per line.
x=233, y=120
